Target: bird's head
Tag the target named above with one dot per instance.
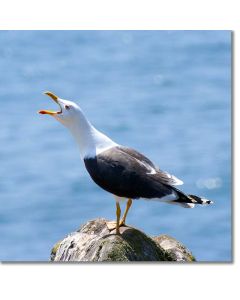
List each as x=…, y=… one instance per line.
x=68, y=112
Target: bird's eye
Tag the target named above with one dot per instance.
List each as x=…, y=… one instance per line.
x=67, y=107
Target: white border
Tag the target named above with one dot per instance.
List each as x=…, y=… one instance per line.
x=124, y=14
x=201, y=281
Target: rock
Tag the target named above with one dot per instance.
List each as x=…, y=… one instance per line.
x=176, y=250
x=95, y=242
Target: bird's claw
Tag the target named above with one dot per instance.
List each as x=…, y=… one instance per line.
x=122, y=223
x=111, y=225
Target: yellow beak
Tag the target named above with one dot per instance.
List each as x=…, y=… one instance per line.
x=49, y=112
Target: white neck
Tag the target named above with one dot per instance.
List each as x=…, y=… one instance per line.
x=91, y=142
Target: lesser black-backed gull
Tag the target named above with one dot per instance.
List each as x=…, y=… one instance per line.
x=122, y=171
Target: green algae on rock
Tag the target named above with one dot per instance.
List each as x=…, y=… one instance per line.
x=94, y=242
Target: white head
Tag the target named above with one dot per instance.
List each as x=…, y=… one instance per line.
x=70, y=114
x=89, y=139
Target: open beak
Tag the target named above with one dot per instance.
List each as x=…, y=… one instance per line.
x=50, y=112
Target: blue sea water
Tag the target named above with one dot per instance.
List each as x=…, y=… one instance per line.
x=165, y=93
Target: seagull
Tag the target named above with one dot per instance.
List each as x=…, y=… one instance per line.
x=122, y=171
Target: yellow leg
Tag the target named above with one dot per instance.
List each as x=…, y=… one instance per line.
x=118, y=213
x=123, y=220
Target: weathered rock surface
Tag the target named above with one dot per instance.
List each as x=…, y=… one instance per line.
x=95, y=242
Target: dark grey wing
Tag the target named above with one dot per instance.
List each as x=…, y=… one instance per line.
x=163, y=176
x=121, y=174
x=168, y=178
x=137, y=155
